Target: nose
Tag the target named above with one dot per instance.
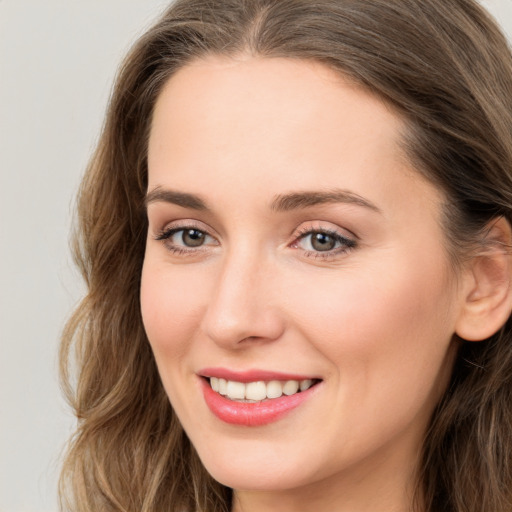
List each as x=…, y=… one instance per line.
x=243, y=308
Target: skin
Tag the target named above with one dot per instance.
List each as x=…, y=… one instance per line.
x=374, y=321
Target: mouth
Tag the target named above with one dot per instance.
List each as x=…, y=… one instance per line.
x=258, y=391
x=252, y=400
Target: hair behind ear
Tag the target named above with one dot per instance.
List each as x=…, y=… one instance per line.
x=469, y=444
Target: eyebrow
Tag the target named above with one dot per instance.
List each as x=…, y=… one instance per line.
x=183, y=199
x=298, y=200
x=280, y=203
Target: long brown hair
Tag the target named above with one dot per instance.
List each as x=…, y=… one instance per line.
x=446, y=68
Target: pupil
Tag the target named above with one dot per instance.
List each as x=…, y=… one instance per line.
x=322, y=242
x=193, y=237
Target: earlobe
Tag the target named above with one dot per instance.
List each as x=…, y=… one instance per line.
x=487, y=300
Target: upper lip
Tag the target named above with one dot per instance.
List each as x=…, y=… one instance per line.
x=252, y=375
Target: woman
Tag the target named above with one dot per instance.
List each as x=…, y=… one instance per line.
x=295, y=234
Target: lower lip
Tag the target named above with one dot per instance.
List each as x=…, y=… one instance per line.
x=252, y=414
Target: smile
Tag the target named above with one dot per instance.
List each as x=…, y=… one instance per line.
x=256, y=398
x=252, y=392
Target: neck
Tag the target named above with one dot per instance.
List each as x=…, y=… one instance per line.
x=387, y=488
x=311, y=501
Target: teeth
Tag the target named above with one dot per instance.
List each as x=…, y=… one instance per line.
x=223, y=387
x=235, y=390
x=291, y=387
x=305, y=384
x=256, y=390
x=259, y=390
x=274, y=389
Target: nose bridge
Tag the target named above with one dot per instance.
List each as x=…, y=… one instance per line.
x=240, y=308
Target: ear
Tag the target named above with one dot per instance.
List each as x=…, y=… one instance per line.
x=487, y=285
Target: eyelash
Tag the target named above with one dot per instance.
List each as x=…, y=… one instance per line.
x=345, y=244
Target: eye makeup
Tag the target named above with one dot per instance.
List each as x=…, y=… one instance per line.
x=315, y=242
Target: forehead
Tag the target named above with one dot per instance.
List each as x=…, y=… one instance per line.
x=271, y=101
x=264, y=126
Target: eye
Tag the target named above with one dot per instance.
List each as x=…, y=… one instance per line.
x=323, y=242
x=184, y=239
x=190, y=237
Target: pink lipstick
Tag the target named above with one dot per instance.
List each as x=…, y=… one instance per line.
x=254, y=398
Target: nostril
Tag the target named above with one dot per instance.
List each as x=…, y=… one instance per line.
x=249, y=338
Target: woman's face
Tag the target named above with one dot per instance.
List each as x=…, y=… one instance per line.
x=292, y=245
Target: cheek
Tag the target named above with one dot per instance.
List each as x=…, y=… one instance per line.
x=172, y=305
x=387, y=338
x=393, y=320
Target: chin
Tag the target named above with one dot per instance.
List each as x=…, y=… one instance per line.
x=257, y=468
x=255, y=479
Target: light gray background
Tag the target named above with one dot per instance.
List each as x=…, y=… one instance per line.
x=57, y=62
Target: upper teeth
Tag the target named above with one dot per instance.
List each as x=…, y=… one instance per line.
x=258, y=390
